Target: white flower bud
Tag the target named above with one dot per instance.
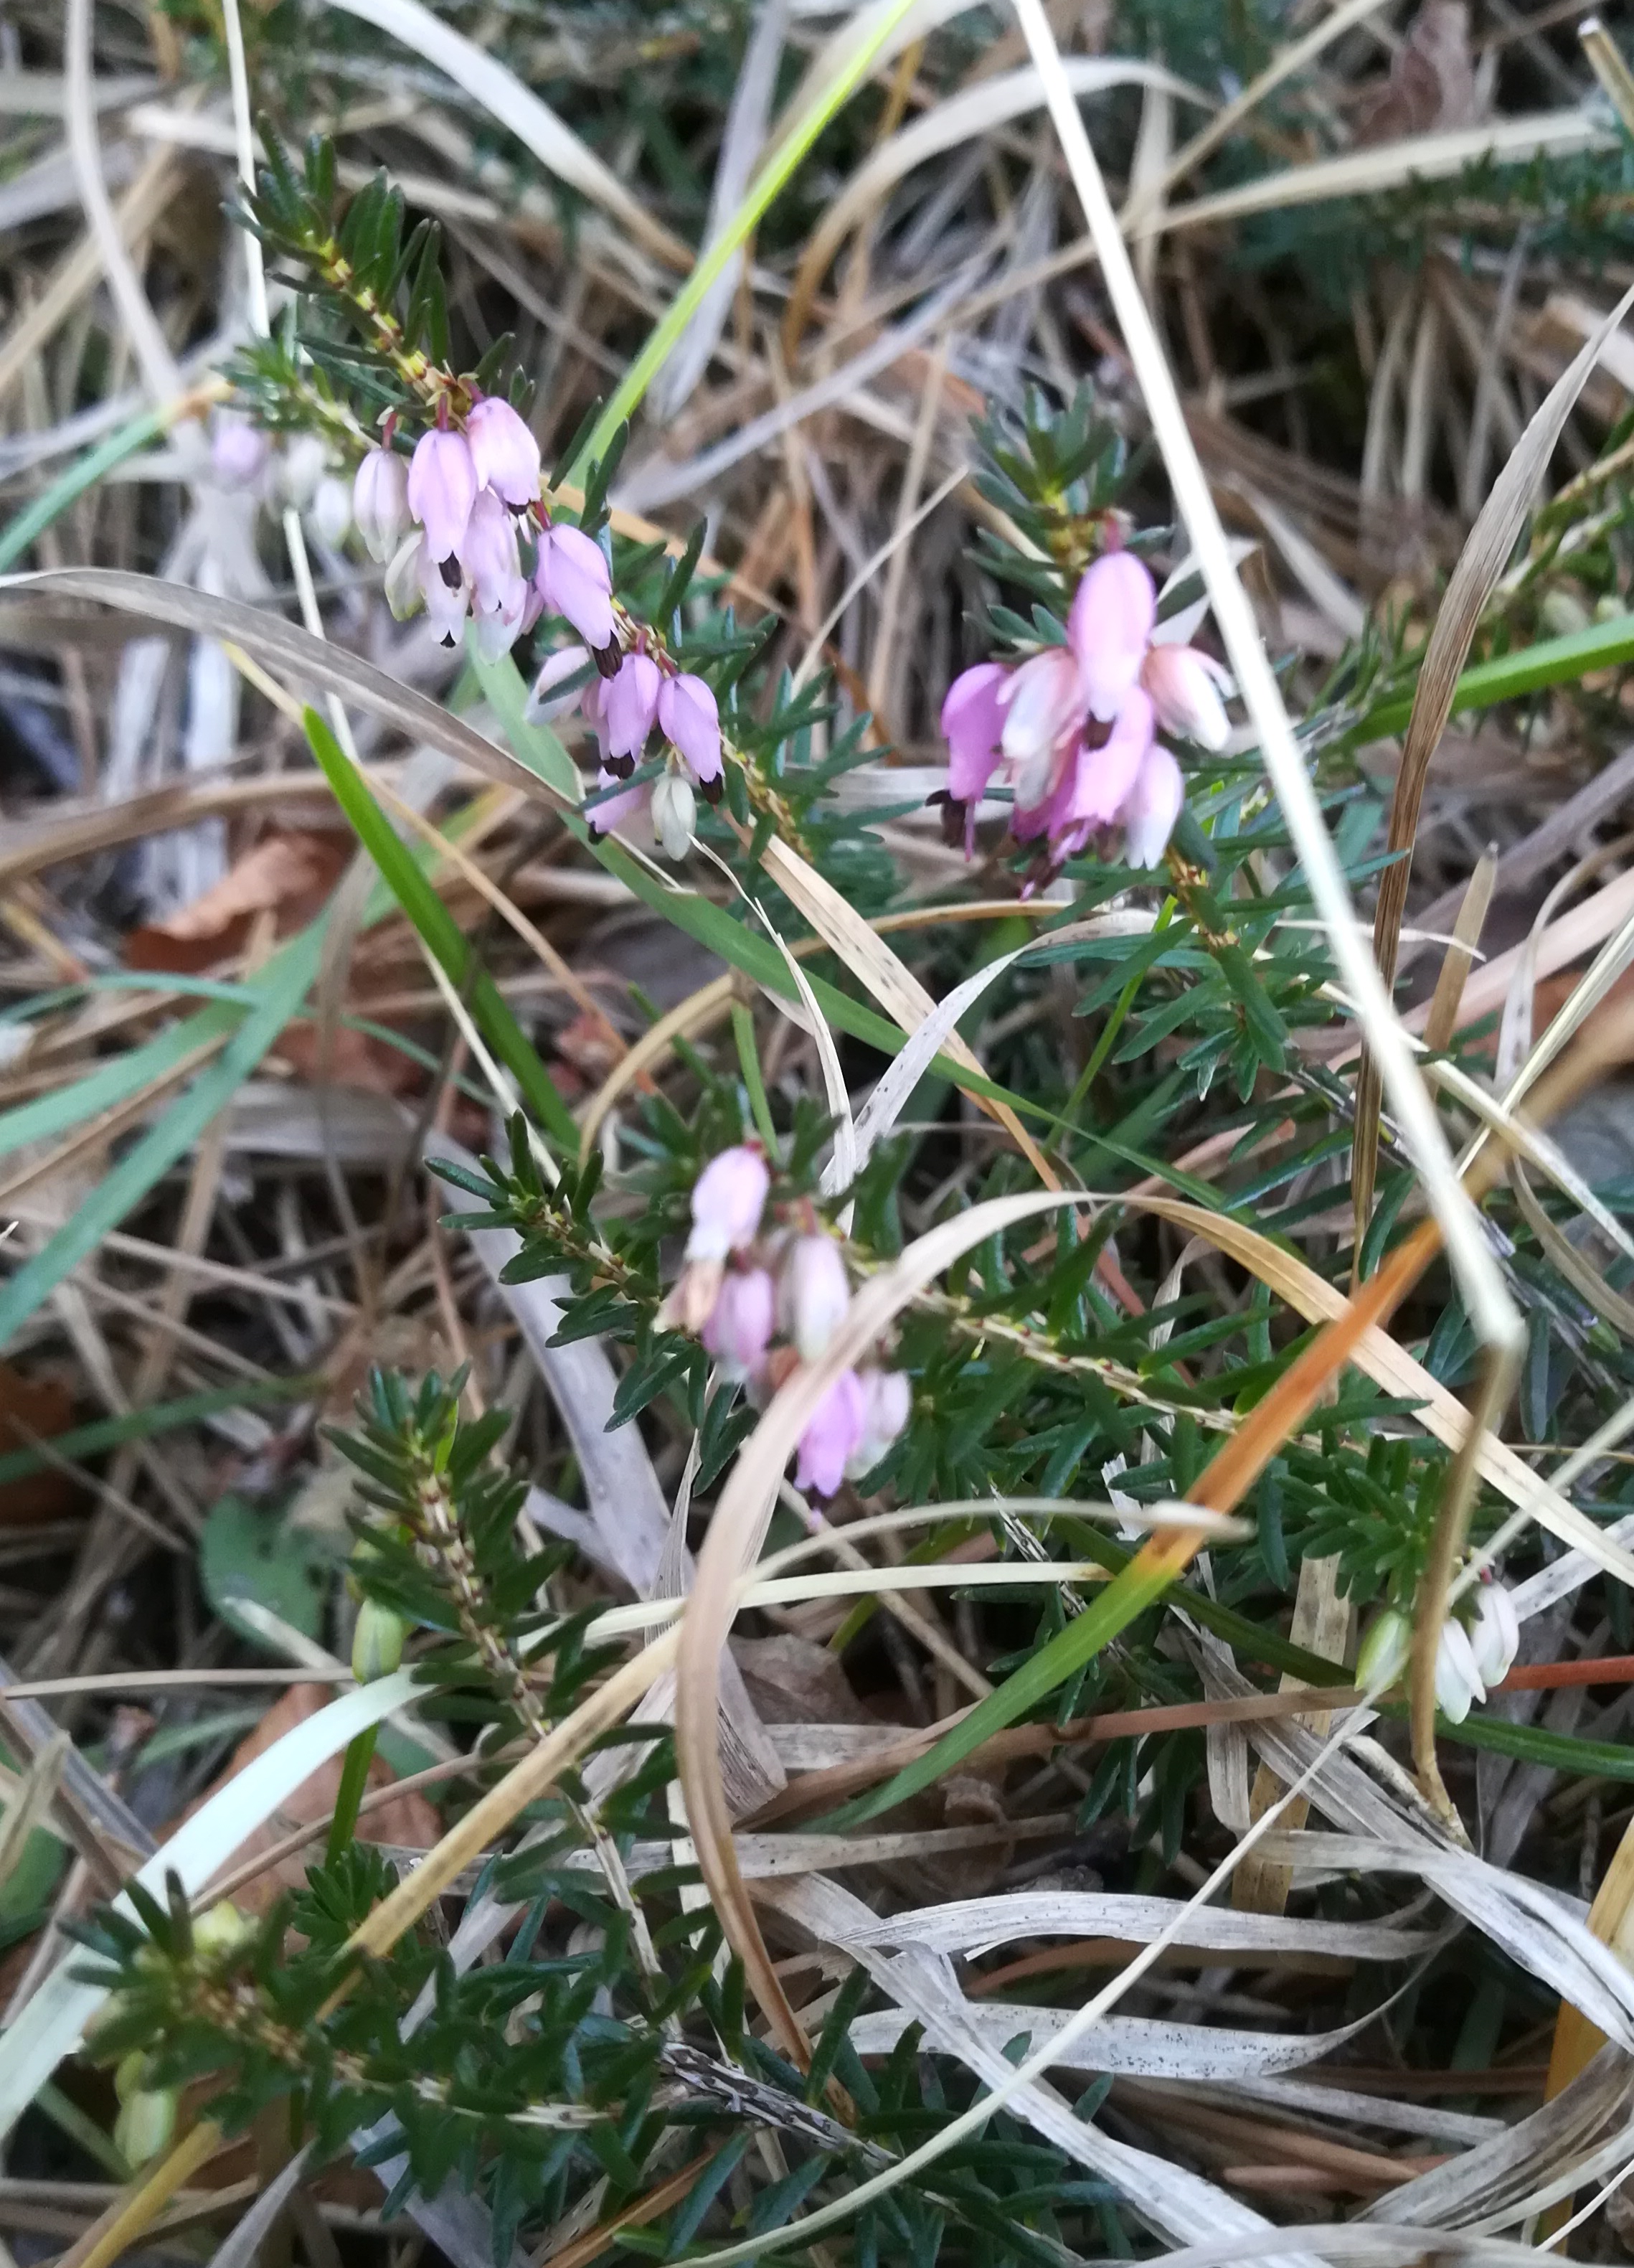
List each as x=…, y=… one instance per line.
x=377, y=1642
x=332, y=508
x=674, y=813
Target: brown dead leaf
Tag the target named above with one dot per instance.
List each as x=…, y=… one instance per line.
x=793, y=1680
x=409, y=1821
x=1432, y=84
x=288, y=875
x=33, y=1410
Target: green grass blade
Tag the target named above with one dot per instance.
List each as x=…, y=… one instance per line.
x=1555, y=661
x=82, y=474
x=1127, y=1595
x=82, y=1441
x=440, y=933
x=283, y=988
x=48, y=1115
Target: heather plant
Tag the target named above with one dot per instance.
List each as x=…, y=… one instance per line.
x=1026, y=1330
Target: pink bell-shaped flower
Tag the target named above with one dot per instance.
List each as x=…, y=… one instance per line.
x=502, y=450
x=616, y=810
x=442, y=488
x=238, y=451
x=380, y=502
x=1104, y=776
x=631, y=704
x=728, y=1198
x=739, y=1327
x=1109, y=627
x=1043, y=708
x=690, y=722
x=1184, y=684
x=572, y=578
x=487, y=553
x=814, y=1293
x=887, y=1403
x=973, y=726
x=446, y=592
x=831, y=1437
x=1151, y=807
x=547, y=700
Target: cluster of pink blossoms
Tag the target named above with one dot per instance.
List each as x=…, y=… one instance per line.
x=622, y=706
x=1072, y=731
x=739, y=1290
x=452, y=522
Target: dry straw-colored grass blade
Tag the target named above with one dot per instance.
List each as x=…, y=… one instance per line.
x=1480, y=563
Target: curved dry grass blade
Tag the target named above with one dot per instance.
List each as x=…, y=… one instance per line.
x=1480, y=563
x=494, y=1812
x=896, y=1083
x=1288, y=60
x=284, y=645
x=147, y=343
x=899, y=992
x=1421, y=158
x=535, y=125
x=1442, y=1021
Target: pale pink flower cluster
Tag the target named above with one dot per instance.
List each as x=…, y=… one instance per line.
x=453, y=520
x=642, y=688
x=1072, y=731
x=297, y=471
x=740, y=1290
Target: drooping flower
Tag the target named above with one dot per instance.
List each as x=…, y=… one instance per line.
x=332, y=508
x=1494, y=1634
x=572, y=578
x=831, y=1435
x=504, y=452
x=620, y=810
x=547, y=700
x=814, y=1293
x=631, y=705
x=238, y=451
x=380, y=502
x=1109, y=627
x=302, y=465
x=446, y=592
x=488, y=552
x=1151, y=807
x=1458, y=1681
x=1184, y=685
x=1383, y=1653
x=674, y=813
x=1103, y=776
x=728, y=1198
x=403, y=592
x=887, y=1403
x=739, y=1327
x=972, y=724
x=690, y=720
x=1043, y=711
x=442, y=488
